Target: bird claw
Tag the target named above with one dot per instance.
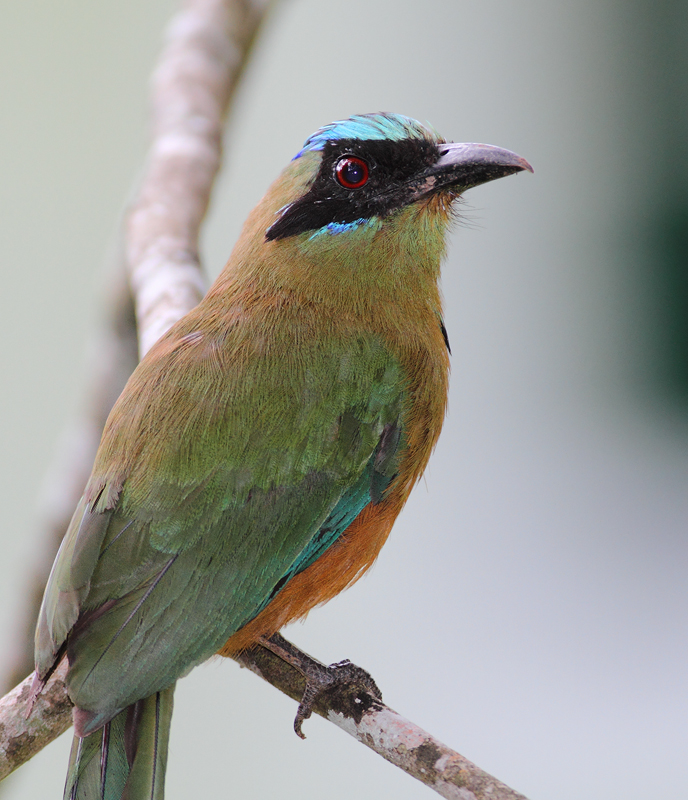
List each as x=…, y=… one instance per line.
x=321, y=679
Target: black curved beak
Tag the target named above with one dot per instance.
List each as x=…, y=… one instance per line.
x=462, y=165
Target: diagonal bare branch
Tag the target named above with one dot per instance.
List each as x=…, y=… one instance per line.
x=377, y=726
x=350, y=707
x=207, y=46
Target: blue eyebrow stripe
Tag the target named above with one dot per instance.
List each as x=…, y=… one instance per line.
x=393, y=127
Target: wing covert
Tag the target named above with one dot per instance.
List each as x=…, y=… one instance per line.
x=163, y=567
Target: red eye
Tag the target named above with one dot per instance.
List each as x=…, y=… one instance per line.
x=352, y=172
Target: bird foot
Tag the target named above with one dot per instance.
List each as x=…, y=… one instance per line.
x=341, y=675
x=347, y=685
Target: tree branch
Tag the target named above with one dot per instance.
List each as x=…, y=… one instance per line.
x=22, y=738
x=390, y=735
x=207, y=46
x=350, y=707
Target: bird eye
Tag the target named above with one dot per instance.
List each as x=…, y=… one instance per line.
x=351, y=172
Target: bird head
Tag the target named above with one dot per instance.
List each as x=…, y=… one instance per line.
x=366, y=202
x=365, y=169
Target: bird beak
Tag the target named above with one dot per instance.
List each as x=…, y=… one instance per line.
x=464, y=165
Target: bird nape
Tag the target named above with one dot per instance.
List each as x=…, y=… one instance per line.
x=259, y=454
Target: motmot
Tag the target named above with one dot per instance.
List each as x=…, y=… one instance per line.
x=260, y=453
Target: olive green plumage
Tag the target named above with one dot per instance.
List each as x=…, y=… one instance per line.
x=215, y=494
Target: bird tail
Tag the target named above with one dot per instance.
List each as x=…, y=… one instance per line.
x=126, y=759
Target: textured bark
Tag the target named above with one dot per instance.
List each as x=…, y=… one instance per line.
x=348, y=706
x=206, y=49
x=22, y=738
x=379, y=727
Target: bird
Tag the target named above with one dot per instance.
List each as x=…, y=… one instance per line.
x=259, y=454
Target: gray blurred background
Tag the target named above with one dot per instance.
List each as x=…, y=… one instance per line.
x=530, y=606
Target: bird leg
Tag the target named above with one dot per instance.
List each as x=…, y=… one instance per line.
x=343, y=675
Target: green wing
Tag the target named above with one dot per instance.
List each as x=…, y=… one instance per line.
x=187, y=540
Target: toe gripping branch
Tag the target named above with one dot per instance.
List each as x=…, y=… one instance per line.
x=342, y=687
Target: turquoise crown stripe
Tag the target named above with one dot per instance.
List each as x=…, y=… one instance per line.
x=393, y=127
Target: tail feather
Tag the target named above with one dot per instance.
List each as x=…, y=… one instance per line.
x=126, y=759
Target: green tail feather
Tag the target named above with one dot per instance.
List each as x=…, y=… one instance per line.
x=126, y=759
